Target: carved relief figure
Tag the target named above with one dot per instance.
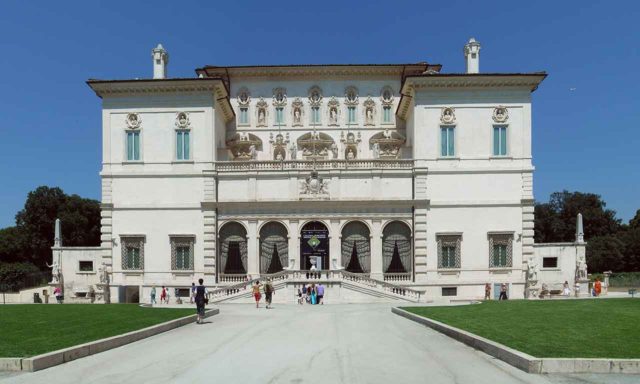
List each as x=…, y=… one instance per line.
x=333, y=115
x=133, y=121
x=261, y=117
x=532, y=270
x=350, y=154
x=252, y=152
x=182, y=120
x=376, y=150
x=448, y=115
x=296, y=116
x=500, y=114
x=55, y=271
x=293, y=150
x=334, y=150
x=369, y=116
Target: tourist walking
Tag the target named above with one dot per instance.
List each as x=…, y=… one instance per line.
x=268, y=293
x=503, y=292
x=487, y=291
x=153, y=295
x=201, y=298
x=256, y=293
x=57, y=292
x=314, y=295
x=320, y=290
x=163, y=295
x=597, y=287
x=566, y=291
x=193, y=293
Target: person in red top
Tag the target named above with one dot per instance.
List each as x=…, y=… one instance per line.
x=163, y=295
x=597, y=287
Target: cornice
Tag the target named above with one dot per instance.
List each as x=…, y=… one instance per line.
x=107, y=88
x=314, y=70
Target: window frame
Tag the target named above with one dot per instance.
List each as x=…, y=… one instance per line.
x=246, y=110
x=448, y=127
x=315, y=112
x=387, y=108
x=449, y=240
x=182, y=241
x=80, y=268
x=137, y=132
x=550, y=258
x=190, y=145
x=500, y=239
x=279, y=119
x=352, y=108
x=132, y=241
x=495, y=153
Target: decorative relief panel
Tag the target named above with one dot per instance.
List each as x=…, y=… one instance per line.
x=315, y=96
x=448, y=115
x=279, y=146
x=386, y=144
x=182, y=120
x=500, y=114
x=386, y=96
x=351, y=96
x=244, y=146
x=133, y=120
x=350, y=143
x=244, y=97
x=317, y=145
x=279, y=97
x=314, y=187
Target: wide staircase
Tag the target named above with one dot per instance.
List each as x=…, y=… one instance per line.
x=290, y=280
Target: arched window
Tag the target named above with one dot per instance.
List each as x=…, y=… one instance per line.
x=356, y=248
x=233, y=249
x=396, y=248
x=274, y=248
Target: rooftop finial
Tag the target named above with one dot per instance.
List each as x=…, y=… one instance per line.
x=472, y=54
x=160, y=61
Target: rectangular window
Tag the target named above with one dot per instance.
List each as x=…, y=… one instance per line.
x=315, y=115
x=449, y=251
x=351, y=115
x=244, y=116
x=449, y=291
x=500, y=140
x=549, y=262
x=132, y=253
x=386, y=114
x=182, y=253
x=85, y=266
x=500, y=250
x=182, y=145
x=279, y=116
x=447, y=141
x=133, y=146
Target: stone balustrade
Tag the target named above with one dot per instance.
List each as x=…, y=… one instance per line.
x=232, y=278
x=397, y=277
x=235, y=166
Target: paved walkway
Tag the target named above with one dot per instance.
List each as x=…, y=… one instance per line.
x=293, y=344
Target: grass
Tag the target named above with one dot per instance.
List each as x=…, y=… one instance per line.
x=593, y=328
x=28, y=330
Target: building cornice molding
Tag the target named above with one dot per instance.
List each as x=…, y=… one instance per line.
x=461, y=81
x=115, y=88
x=316, y=70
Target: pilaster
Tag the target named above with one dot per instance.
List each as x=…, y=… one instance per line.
x=377, y=271
x=253, y=260
x=335, y=245
x=294, y=244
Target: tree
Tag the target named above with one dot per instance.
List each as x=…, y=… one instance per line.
x=635, y=222
x=11, y=245
x=36, y=222
x=555, y=221
x=605, y=253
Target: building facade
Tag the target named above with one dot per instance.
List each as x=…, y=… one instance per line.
x=398, y=176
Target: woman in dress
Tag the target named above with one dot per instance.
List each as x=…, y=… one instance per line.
x=163, y=295
x=256, y=293
x=313, y=294
x=565, y=289
x=201, y=300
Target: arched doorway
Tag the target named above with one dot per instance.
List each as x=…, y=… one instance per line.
x=396, y=248
x=274, y=248
x=356, y=248
x=314, y=246
x=233, y=249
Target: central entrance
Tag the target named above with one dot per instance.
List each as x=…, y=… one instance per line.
x=314, y=246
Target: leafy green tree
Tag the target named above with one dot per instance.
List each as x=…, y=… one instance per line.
x=605, y=253
x=36, y=222
x=555, y=221
x=635, y=222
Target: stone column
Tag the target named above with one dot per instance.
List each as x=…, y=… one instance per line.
x=294, y=244
x=253, y=259
x=377, y=271
x=335, y=245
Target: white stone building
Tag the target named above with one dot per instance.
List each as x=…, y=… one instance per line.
x=395, y=181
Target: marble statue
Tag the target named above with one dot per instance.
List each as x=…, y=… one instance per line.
x=376, y=150
x=387, y=134
x=296, y=116
x=334, y=150
x=532, y=270
x=252, y=152
x=55, y=272
x=369, y=115
x=279, y=156
x=261, y=116
x=333, y=115
x=350, y=155
x=293, y=149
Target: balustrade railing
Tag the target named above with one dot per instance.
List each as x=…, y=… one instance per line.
x=269, y=165
x=232, y=278
x=362, y=279
x=397, y=277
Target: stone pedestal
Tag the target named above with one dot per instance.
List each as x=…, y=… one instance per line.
x=533, y=292
x=582, y=288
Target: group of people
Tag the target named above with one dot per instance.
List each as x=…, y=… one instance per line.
x=198, y=295
x=268, y=290
x=165, y=295
x=503, y=292
x=311, y=294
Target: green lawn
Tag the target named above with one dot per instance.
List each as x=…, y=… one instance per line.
x=555, y=328
x=28, y=330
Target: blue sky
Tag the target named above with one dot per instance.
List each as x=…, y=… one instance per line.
x=587, y=139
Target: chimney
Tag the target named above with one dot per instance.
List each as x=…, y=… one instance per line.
x=160, y=61
x=472, y=54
